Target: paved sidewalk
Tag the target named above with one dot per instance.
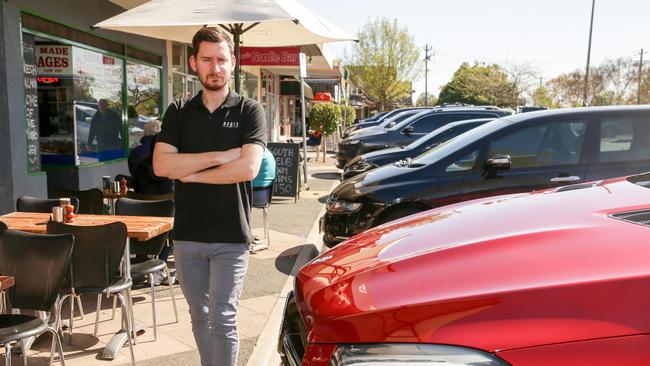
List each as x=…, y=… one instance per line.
x=293, y=233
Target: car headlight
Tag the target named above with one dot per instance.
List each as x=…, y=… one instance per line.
x=351, y=142
x=360, y=165
x=411, y=355
x=341, y=206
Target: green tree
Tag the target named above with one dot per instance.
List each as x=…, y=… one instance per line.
x=325, y=117
x=542, y=98
x=480, y=85
x=432, y=100
x=384, y=62
x=351, y=115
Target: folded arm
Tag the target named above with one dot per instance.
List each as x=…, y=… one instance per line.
x=168, y=162
x=239, y=170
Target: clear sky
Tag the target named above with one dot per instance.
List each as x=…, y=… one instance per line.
x=552, y=35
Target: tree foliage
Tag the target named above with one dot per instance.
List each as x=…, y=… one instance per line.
x=325, y=117
x=351, y=115
x=384, y=62
x=612, y=82
x=432, y=100
x=480, y=84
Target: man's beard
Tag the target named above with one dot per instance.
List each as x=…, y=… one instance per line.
x=214, y=85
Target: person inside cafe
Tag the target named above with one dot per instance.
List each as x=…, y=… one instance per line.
x=212, y=147
x=144, y=180
x=106, y=127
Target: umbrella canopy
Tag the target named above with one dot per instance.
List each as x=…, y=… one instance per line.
x=255, y=23
x=281, y=22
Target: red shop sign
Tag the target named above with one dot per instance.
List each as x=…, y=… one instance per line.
x=270, y=56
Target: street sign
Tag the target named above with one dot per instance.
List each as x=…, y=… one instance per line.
x=303, y=65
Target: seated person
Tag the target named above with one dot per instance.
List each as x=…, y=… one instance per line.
x=264, y=179
x=141, y=164
x=313, y=138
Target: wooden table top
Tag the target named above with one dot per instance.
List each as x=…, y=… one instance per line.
x=6, y=282
x=138, y=227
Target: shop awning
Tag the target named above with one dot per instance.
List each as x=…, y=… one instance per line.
x=292, y=87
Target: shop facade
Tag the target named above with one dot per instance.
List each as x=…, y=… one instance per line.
x=73, y=100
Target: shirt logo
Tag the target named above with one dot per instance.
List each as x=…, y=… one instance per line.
x=233, y=124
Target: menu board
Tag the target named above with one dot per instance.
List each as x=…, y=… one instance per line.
x=31, y=104
x=287, y=160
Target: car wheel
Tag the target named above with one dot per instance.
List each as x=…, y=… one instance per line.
x=396, y=213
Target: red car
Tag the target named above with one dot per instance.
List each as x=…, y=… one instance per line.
x=556, y=277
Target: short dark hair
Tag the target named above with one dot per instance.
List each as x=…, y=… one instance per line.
x=211, y=34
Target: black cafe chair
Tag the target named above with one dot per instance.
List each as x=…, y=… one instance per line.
x=151, y=248
x=23, y=256
x=36, y=204
x=95, y=266
x=91, y=201
x=44, y=205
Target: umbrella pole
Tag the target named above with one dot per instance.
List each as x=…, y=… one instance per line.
x=236, y=35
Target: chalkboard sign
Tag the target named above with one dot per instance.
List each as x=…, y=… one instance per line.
x=287, y=161
x=31, y=104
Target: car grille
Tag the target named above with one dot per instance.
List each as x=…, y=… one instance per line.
x=637, y=217
x=293, y=334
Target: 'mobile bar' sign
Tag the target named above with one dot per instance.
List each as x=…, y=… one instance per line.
x=270, y=56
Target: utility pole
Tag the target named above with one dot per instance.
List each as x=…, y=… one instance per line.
x=638, y=93
x=591, y=28
x=426, y=73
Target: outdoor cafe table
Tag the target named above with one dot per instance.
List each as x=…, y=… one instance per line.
x=138, y=227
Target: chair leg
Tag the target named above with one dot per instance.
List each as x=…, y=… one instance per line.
x=99, y=308
x=56, y=339
x=71, y=315
x=171, y=292
x=81, y=307
x=266, y=226
x=153, y=306
x=131, y=310
x=8, y=354
x=23, y=351
x=126, y=316
x=114, y=306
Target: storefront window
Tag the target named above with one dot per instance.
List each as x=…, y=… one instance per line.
x=55, y=100
x=143, y=95
x=97, y=96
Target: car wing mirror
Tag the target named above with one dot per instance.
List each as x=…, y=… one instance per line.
x=498, y=162
x=390, y=125
x=408, y=130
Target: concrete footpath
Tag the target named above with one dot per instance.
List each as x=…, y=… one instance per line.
x=294, y=240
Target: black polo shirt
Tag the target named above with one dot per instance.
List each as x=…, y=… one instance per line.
x=213, y=213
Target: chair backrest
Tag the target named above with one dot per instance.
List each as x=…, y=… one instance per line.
x=35, y=204
x=38, y=263
x=91, y=201
x=97, y=252
x=133, y=207
x=262, y=196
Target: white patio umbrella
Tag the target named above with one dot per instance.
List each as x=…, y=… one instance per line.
x=255, y=23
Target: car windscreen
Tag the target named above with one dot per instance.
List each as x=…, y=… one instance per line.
x=445, y=149
x=398, y=118
x=409, y=120
x=443, y=134
x=642, y=180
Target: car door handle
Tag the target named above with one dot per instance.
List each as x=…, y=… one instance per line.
x=571, y=178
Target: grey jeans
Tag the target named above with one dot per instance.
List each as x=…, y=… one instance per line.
x=211, y=276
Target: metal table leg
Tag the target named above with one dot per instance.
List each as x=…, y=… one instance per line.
x=118, y=340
